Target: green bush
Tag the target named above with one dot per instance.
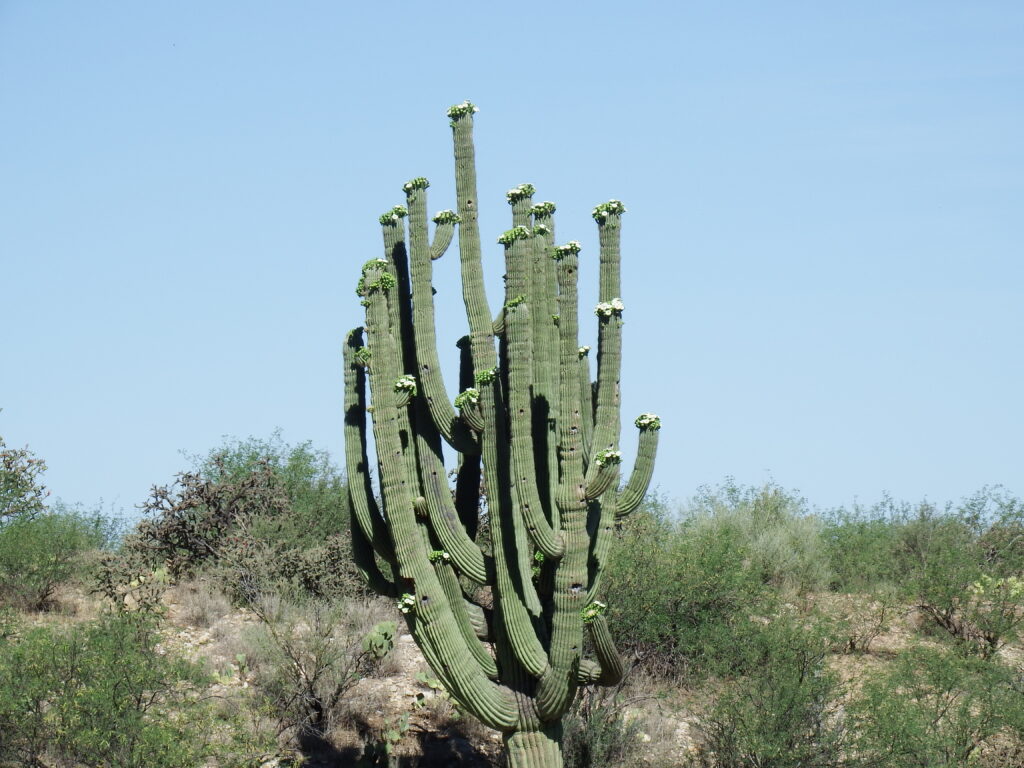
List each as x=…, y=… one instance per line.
x=38, y=553
x=863, y=546
x=681, y=587
x=259, y=513
x=677, y=590
x=98, y=694
x=959, y=564
x=780, y=537
x=21, y=489
x=781, y=712
x=937, y=709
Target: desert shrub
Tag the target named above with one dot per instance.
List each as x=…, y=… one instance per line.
x=39, y=552
x=98, y=694
x=782, y=540
x=933, y=708
x=597, y=732
x=962, y=566
x=21, y=488
x=680, y=587
x=258, y=514
x=307, y=654
x=862, y=617
x=781, y=711
x=862, y=547
x=677, y=589
x=317, y=497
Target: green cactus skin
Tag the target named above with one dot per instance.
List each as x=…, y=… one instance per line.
x=532, y=432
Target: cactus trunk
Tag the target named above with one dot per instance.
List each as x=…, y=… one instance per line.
x=501, y=622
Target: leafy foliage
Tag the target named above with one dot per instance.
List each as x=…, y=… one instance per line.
x=98, y=694
x=934, y=708
x=39, y=552
x=782, y=711
x=21, y=489
x=257, y=513
x=683, y=587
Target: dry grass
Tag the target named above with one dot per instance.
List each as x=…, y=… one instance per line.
x=197, y=603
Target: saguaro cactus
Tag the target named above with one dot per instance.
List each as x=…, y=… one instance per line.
x=500, y=612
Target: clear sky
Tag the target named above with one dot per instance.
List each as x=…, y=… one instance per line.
x=822, y=271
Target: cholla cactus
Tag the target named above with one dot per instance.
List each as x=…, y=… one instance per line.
x=538, y=434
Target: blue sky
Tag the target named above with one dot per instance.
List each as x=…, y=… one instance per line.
x=822, y=271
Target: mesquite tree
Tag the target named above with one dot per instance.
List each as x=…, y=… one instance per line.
x=499, y=611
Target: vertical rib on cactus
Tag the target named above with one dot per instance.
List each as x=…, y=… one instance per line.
x=533, y=436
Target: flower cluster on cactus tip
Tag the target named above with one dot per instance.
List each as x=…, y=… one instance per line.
x=439, y=556
x=543, y=209
x=406, y=603
x=486, y=377
x=392, y=216
x=385, y=282
x=592, y=611
x=418, y=183
x=608, y=456
x=609, y=308
x=559, y=252
x=446, y=217
x=604, y=210
x=648, y=421
x=406, y=383
x=583, y=351
x=521, y=192
x=516, y=233
x=460, y=110
x=362, y=356
x=469, y=396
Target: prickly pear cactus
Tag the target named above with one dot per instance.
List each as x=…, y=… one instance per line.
x=501, y=625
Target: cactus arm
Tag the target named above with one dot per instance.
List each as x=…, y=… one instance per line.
x=428, y=368
x=473, y=294
x=362, y=555
x=447, y=526
x=364, y=504
x=643, y=469
x=493, y=704
x=544, y=332
x=520, y=355
x=609, y=350
x=514, y=592
x=444, y=231
x=436, y=501
x=556, y=690
x=452, y=590
x=604, y=648
x=603, y=477
x=434, y=625
x=398, y=297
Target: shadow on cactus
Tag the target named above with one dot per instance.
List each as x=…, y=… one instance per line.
x=503, y=626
